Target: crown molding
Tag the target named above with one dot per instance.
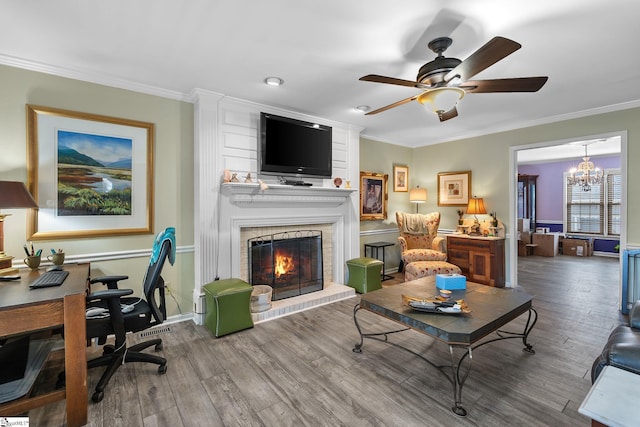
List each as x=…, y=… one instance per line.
x=97, y=78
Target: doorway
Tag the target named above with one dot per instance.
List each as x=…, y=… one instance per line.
x=551, y=151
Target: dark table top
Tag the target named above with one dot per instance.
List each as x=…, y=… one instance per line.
x=491, y=308
x=379, y=244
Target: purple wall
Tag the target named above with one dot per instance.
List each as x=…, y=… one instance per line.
x=549, y=191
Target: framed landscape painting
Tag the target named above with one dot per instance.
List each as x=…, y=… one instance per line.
x=91, y=175
x=373, y=196
x=454, y=188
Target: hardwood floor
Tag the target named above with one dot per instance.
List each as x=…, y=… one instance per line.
x=300, y=370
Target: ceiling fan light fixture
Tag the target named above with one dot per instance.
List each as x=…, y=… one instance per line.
x=274, y=81
x=442, y=99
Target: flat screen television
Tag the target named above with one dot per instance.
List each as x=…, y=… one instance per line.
x=290, y=147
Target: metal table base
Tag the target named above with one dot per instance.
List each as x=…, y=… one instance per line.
x=458, y=371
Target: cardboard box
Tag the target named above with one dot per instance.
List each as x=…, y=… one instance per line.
x=525, y=236
x=451, y=282
x=522, y=248
x=577, y=247
x=547, y=244
x=524, y=224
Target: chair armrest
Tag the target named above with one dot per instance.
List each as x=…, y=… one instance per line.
x=110, y=281
x=625, y=356
x=109, y=293
x=634, y=315
x=403, y=244
x=438, y=244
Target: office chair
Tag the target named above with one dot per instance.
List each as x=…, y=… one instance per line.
x=129, y=314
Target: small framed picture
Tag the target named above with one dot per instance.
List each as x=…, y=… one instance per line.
x=400, y=178
x=373, y=196
x=454, y=188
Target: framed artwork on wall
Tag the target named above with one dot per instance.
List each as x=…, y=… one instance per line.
x=400, y=178
x=454, y=188
x=373, y=196
x=91, y=175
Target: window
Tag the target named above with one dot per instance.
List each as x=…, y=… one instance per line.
x=596, y=211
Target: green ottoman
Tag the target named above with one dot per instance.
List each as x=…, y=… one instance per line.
x=228, y=306
x=365, y=274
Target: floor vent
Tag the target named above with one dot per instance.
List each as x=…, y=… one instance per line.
x=155, y=331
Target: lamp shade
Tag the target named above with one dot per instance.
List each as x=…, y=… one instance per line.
x=418, y=195
x=476, y=206
x=14, y=194
x=441, y=99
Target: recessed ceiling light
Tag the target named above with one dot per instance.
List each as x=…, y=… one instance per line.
x=362, y=108
x=273, y=81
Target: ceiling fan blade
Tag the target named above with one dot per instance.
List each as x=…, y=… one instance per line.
x=390, y=106
x=519, y=84
x=448, y=115
x=389, y=80
x=493, y=51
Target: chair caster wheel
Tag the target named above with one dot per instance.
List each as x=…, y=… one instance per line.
x=97, y=396
x=162, y=369
x=158, y=347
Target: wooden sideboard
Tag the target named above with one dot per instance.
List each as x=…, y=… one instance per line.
x=481, y=259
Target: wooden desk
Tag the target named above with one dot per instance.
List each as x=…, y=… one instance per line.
x=23, y=310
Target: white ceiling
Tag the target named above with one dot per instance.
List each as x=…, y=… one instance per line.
x=321, y=49
x=598, y=147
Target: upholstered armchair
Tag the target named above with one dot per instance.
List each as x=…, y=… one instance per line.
x=419, y=239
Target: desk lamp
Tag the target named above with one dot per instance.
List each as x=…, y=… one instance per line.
x=13, y=194
x=476, y=206
x=418, y=195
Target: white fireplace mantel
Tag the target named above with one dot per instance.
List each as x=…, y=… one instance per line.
x=243, y=194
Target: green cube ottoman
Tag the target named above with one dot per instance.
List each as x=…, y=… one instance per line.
x=365, y=274
x=228, y=306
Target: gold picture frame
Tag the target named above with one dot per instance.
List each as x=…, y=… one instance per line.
x=400, y=178
x=373, y=196
x=91, y=175
x=454, y=188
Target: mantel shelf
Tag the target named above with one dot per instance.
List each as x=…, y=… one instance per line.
x=250, y=194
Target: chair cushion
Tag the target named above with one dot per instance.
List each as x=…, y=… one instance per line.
x=419, y=269
x=134, y=321
x=413, y=255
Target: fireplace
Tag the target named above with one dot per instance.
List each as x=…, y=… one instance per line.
x=290, y=262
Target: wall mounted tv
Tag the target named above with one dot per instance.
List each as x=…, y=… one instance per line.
x=293, y=147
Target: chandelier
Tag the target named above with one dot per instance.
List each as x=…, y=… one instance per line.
x=586, y=174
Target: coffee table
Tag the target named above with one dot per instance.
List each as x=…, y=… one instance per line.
x=491, y=308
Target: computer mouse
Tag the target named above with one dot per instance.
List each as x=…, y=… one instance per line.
x=55, y=268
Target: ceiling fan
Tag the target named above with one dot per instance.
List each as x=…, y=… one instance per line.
x=444, y=81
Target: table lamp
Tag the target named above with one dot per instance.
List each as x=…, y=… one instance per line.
x=13, y=194
x=418, y=195
x=476, y=206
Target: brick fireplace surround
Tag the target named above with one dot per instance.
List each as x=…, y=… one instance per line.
x=251, y=212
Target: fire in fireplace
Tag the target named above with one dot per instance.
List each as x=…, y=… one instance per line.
x=291, y=262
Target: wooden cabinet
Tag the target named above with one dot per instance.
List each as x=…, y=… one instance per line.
x=481, y=259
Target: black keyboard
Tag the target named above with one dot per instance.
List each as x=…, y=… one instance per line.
x=49, y=278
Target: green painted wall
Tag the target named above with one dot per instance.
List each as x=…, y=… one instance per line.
x=379, y=157
x=173, y=178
